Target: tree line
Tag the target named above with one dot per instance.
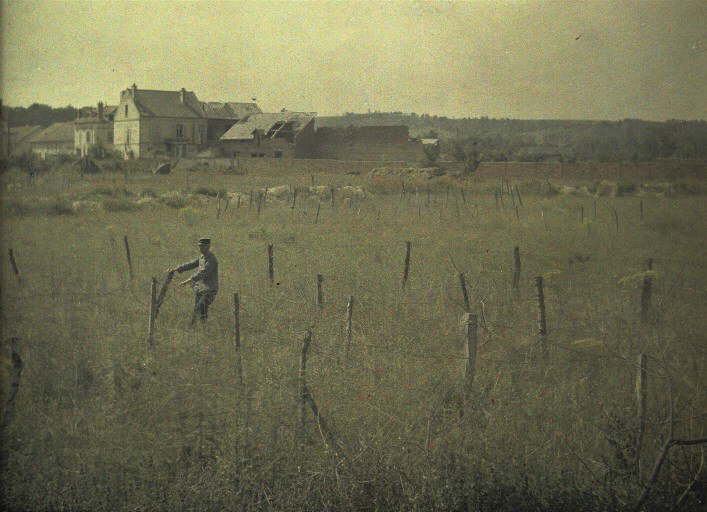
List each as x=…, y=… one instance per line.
x=489, y=139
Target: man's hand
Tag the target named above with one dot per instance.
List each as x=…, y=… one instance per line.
x=185, y=282
x=171, y=271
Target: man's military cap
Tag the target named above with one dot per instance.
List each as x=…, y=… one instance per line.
x=204, y=241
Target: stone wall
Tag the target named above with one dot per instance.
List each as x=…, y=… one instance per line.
x=380, y=143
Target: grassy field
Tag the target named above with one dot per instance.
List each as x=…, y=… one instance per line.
x=105, y=423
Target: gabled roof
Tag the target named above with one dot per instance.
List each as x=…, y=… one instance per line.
x=228, y=110
x=57, y=132
x=167, y=103
x=19, y=134
x=244, y=129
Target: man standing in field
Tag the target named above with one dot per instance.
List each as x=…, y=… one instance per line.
x=204, y=282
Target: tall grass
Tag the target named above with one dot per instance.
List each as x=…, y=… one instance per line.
x=103, y=423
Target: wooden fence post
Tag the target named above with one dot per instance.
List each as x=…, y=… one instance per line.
x=259, y=203
x=542, y=321
x=495, y=196
x=641, y=400
x=470, y=349
x=320, y=296
x=153, y=314
x=332, y=192
x=9, y=405
x=349, y=325
x=294, y=198
x=316, y=218
x=271, y=266
x=14, y=265
x=406, y=271
x=616, y=219
x=465, y=294
x=127, y=255
x=581, y=214
x=163, y=292
x=595, y=209
x=646, y=293
x=640, y=205
x=520, y=200
x=237, y=336
x=461, y=189
x=218, y=204
x=516, y=267
x=303, y=382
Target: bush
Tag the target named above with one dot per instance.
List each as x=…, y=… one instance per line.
x=173, y=200
x=211, y=192
x=119, y=204
x=149, y=192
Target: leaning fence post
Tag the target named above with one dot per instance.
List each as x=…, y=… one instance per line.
x=9, y=411
x=465, y=294
x=349, y=322
x=640, y=205
x=237, y=336
x=646, y=293
x=516, y=267
x=470, y=349
x=14, y=265
x=153, y=314
x=641, y=400
x=542, y=321
x=127, y=255
x=520, y=200
x=303, y=382
x=163, y=292
x=316, y=217
x=320, y=296
x=271, y=266
x=406, y=271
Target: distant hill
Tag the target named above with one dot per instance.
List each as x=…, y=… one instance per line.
x=537, y=140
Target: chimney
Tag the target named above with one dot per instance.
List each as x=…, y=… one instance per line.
x=134, y=89
x=100, y=111
x=182, y=94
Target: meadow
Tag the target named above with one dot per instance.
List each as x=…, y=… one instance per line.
x=105, y=421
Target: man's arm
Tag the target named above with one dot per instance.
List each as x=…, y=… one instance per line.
x=209, y=267
x=187, y=266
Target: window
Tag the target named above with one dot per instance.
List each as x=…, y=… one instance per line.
x=180, y=130
x=126, y=110
x=277, y=154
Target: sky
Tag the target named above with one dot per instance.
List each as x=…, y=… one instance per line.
x=502, y=59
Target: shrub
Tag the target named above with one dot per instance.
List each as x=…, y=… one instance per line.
x=148, y=192
x=211, y=192
x=173, y=200
x=119, y=204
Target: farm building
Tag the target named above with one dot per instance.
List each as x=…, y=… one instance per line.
x=94, y=128
x=171, y=122
x=382, y=143
x=19, y=139
x=275, y=135
x=57, y=138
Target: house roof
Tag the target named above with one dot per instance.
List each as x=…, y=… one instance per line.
x=19, y=134
x=90, y=114
x=244, y=129
x=57, y=132
x=228, y=110
x=167, y=103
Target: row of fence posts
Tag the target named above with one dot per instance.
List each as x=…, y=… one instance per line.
x=329, y=438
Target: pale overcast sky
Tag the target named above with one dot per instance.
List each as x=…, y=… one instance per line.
x=517, y=59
